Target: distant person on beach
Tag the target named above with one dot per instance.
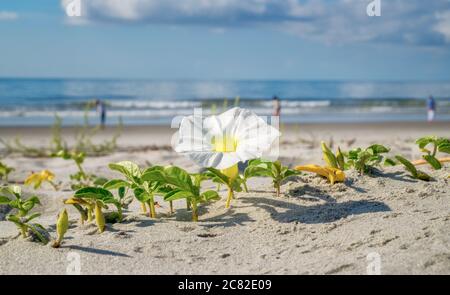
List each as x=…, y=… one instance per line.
x=101, y=109
x=276, y=106
x=431, y=107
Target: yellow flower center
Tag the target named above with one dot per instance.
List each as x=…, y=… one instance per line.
x=226, y=144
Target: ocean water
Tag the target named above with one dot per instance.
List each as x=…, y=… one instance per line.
x=152, y=102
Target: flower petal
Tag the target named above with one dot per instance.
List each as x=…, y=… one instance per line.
x=215, y=160
x=253, y=135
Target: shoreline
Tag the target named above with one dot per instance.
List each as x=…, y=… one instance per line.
x=161, y=135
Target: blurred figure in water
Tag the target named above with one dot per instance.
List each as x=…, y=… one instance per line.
x=276, y=106
x=101, y=110
x=431, y=107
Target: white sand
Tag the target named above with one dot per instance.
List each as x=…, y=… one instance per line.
x=314, y=228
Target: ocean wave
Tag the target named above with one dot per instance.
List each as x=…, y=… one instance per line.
x=154, y=104
x=171, y=112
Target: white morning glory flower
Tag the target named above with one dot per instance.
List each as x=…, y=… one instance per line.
x=223, y=141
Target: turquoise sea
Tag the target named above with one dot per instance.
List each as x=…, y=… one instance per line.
x=147, y=102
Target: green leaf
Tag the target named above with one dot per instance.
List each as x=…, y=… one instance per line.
x=15, y=204
x=256, y=171
x=423, y=176
x=32, y=216
x=16, y=190
x=13, y=218
x=290, y=172
x=153, y=168
x=115, y=184
x=378, y=149
x=35, y=200
x=424, y=141
x=433, y=161
x=29, y=204
x=34, y=228
x=163, y=189
x=179, y=178
x=236, y=184
x=216, y=176
x=177, y=194
x=154, y=176
x=129, y=169
x=389, y=162
x=198, y=178
x=94, y=193
x=408, y=165
x=100, y=181
x=444, y=147
x=64, y=155
x=121, y=192
x=209, y=196
x=4, y=200
x=276, y=169
x=142, y=195
x=353, y=154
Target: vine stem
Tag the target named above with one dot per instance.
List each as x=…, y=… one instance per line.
x=143, y=208
x=245, y=186
x=23, y=231
x=90, y=214
x=171, y=207
x=229, y=198
x=81, y=171
x=53, y=185
x=188, y=205
x=194, y=212
x=151, y=205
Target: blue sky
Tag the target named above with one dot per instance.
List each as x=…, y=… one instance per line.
x=226, y=39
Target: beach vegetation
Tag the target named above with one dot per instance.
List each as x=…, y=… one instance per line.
x=22, y=218
x=430, y=146
x=144, y=188
x=100, y=197
x=37, y=179
x=62, y=225
x=365, y=161
x=81, y=178
x=83, y=143
x=5, y=170
x=332, y=174
x=274, y=170
x=84, y=207
x=330, y=158
x=415, y=173
x=228, y=178
x=176, y=183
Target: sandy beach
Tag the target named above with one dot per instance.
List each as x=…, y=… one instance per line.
x=313, y=228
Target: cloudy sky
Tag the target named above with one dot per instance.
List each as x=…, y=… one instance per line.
x=226, y=39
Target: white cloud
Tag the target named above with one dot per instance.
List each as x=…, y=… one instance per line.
x=339, y=21
x=8, y=15
x=443, y=25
